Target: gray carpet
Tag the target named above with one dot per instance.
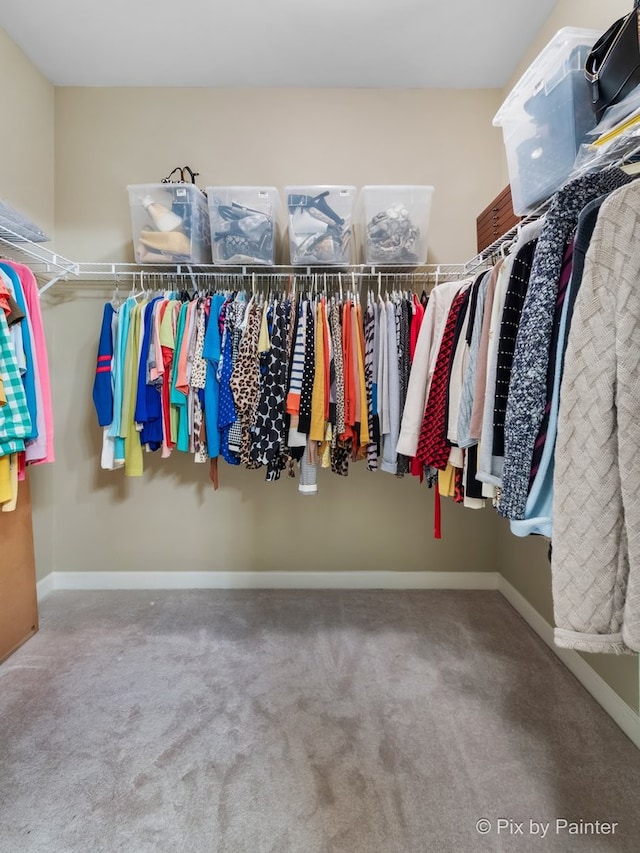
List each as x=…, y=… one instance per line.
x=300, y=722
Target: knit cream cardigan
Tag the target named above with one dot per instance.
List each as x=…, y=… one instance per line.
x=596, y=523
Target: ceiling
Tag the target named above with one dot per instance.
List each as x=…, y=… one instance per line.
x=343, y=43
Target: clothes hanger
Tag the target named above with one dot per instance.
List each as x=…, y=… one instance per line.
x=137, y=294
x=115, y=300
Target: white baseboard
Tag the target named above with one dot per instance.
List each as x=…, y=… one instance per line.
x=45, y=586
x=616, y=707
x=273, y=580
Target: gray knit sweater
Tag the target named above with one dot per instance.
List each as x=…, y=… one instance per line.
x=528, y=386
x=596, y=510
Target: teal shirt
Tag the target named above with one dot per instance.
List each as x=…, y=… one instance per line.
x=211, y=354
x=118, y=374
x=177, y=398
x=28, y=378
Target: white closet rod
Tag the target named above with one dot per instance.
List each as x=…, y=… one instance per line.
x=149, y=277
x=102, y=273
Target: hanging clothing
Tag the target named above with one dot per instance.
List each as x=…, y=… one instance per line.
x=489, y=466
x=528, y=387
x=369, y=366
x=15, y=420
x=433, y=448
x=268, y=445
x=26, y=418
x=509, y=324
x=391, y=394
x=596, y=546
x=425, y=356
x=211, y=354
x=245, y=380
x=480, y=385
x=468, y=383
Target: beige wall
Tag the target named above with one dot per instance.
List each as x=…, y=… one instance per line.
x=26, y=182
x=523, y=562
x=588, y=14
x=172, y=519
x=26, y=165
x=107, y=138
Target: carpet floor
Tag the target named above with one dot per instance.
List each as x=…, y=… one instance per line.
x=301, y=722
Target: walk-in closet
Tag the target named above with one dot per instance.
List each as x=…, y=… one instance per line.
x=319, y=427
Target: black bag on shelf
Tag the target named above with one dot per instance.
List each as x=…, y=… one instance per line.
x=613, y=65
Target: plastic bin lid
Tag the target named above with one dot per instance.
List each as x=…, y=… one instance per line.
x=167, y=186
x=396, y=187
x=544, y=68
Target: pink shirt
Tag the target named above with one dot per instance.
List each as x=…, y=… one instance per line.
x=32, y=300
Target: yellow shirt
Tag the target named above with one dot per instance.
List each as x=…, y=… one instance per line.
x=447, y=481
x=133, y=461
x=9, y=482
x=316, y=433
x=6, y=491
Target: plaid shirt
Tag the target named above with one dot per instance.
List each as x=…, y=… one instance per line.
x=15, y=422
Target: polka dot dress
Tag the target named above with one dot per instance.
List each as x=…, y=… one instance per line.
x=268, y=443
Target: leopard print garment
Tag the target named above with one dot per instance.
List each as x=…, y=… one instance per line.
x=340, y=454
x=199, y=365
x=245, y=380
x=199, y=432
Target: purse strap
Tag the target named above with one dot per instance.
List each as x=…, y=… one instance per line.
x=190, y=174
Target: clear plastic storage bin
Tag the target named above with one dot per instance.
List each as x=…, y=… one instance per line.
x=393, y=224
x=170, y=224
x=321, y=225
x=546, y=118
x=245, y=224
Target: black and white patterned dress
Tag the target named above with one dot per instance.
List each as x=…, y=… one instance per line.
x=268, y=435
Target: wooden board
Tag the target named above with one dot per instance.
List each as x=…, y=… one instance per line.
x=18, y=601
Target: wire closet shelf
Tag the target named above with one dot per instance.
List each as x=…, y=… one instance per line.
x=48, y=267
x=51, y=268
x=153, y=277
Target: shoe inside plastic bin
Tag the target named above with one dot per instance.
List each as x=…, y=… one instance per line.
x=245, y=224
x=170, y=224
x=393, y=224
x=321, y=225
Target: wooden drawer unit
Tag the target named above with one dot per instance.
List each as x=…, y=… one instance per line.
x=497, y=218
